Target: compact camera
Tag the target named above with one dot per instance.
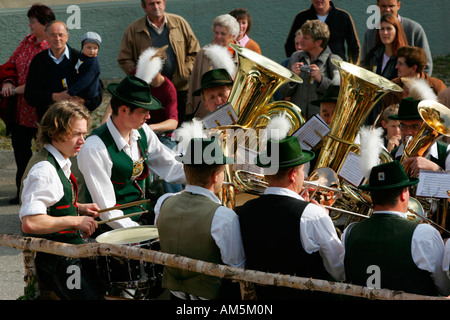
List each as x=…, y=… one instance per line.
x=306, y=69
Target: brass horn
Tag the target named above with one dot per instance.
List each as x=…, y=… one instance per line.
x=256, y=81
x=360, y=90
x=436, y=123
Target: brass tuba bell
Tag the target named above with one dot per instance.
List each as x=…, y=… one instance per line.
x=360, y=91
x=256, y=81
x=436, y=124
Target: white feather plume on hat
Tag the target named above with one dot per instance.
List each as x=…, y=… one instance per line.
x=371, y=147
x=278, y=127
x=419, y=89
x=188, y=131
x=150, y=63
x=220, y=58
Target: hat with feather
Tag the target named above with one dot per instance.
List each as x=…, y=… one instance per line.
x=290, y=153
x=418, y=90
x=195, y=146
x=223, y=69
x=150, y=63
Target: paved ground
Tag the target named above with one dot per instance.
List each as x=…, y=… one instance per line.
x=11, y=264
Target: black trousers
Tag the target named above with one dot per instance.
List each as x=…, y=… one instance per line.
x=59, y=274
x=21, y=138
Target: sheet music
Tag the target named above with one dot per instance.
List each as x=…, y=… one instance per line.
x=223, y=116
x=310, y=134
x=433, y=184
x=245, y=160
x=351, y=171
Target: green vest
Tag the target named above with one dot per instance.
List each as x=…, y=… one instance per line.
x=384, y=240
x=184, y=227
x=64, y=207
x=128, y=178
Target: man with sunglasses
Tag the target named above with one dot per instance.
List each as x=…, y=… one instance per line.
x=437, y=159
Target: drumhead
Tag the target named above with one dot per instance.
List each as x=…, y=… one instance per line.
x=129, y=235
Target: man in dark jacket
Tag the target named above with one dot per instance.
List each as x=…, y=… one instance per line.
x=51, y=71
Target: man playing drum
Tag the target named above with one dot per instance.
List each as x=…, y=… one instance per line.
x=117, y=157
x=49, y=206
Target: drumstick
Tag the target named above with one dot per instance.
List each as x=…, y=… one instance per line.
x=126, y=205
x=122, y=217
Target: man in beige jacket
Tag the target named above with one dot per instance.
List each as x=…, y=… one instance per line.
x=159, y=28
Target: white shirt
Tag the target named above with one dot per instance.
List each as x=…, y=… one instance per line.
x=317, y=233
x=432, y=152
x=58, y=61
x=427, y=251
x=42, y=187
x=158, y=30
x=95, y=164
x=225, y=227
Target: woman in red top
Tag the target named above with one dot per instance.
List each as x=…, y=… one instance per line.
x=25, y=122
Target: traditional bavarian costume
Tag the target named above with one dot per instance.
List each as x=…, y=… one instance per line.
x=282, y=233
x=50, y=188
x=116, y=171
x=408, y=254
x=216, y=238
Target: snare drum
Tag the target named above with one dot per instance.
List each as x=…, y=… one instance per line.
x=130, y=273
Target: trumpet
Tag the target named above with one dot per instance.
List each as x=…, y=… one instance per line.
x=255, y=183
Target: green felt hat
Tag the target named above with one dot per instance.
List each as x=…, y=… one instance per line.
x=290, y=154
x=213, y=78
x=407, y=110
x=133, y=91
x=388, y=176
x=204, y=151
x=331, y=95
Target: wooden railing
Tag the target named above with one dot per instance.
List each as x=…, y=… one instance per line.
x=245, y=277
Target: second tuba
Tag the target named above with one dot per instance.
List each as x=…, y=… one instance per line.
x=360, y=91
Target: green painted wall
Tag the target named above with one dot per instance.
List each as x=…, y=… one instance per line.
x=271, y=23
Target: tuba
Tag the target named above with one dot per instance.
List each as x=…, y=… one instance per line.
x=256, y=81
x=360, y=91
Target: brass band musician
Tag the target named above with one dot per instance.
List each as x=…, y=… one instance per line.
x=403, y=254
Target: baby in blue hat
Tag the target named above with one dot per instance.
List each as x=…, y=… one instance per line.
x=88, y=85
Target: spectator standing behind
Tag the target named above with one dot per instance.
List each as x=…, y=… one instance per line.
x=414, y=263
x=52, y=71
x=312, y=64
x=21, y=119
x=225, y=30
x=415, y=35
x=392, y=132
x=342, y=29
x=245, y=20
x=157, y=29
x=49, y=201
x=382, y=59
x=411, y=62
x=87, y=82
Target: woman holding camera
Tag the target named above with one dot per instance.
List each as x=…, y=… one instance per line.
x=313, y=65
